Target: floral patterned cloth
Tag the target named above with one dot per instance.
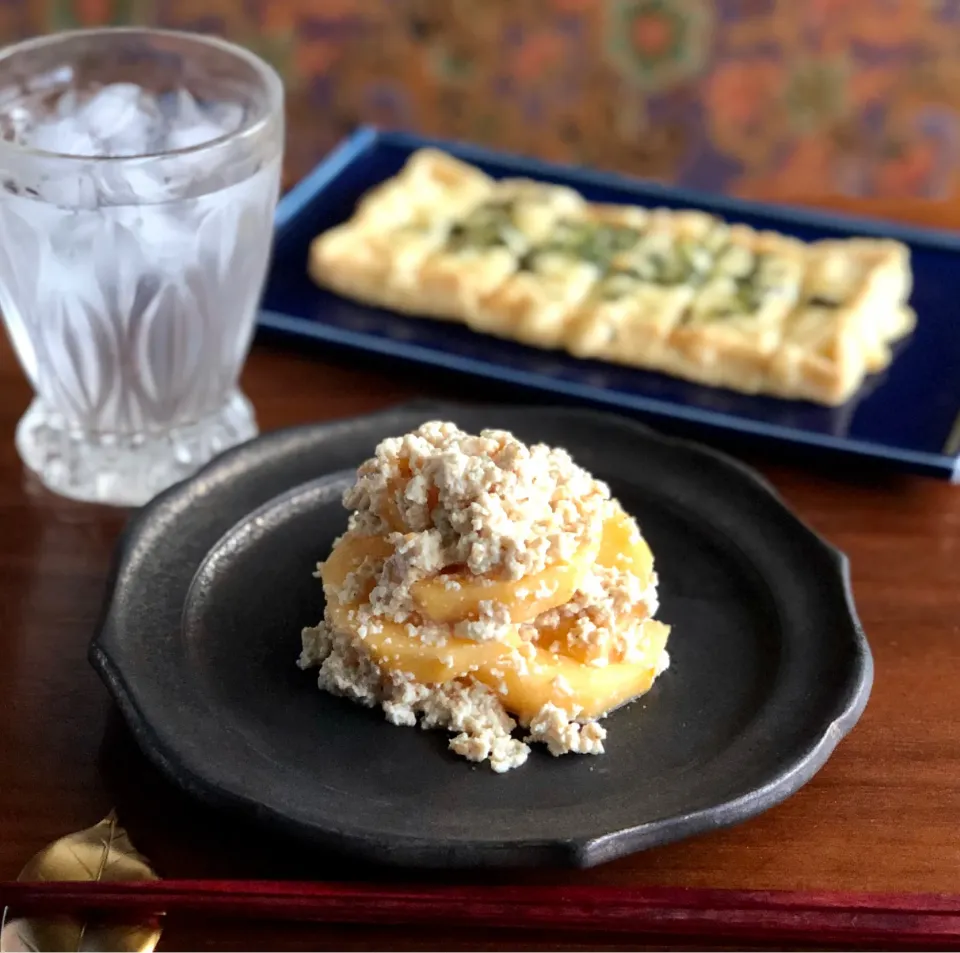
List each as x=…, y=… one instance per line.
x=753, y=97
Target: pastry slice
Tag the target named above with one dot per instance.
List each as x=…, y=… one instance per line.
x=870, y=280
x=735, y=322
x=643, y=295
x=852, y=309
x=537, y=304
x=370, y=264
x=431, y=185
x=628, y=320
x=395, y=228
x=489, y=244
x=822, y=358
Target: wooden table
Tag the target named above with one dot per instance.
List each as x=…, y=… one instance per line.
x=881, y=816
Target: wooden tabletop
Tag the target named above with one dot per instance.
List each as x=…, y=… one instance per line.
x=881, y=816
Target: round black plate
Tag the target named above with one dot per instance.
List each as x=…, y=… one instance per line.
x=213, y=584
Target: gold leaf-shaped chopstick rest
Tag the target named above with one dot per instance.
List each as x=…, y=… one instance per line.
x=53, y=934
x=101, y=852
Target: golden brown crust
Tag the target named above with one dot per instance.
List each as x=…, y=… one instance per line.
x=675, y=291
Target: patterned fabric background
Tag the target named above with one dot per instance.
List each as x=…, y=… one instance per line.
x=754, y=97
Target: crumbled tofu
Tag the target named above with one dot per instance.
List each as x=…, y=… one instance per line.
x=469, y=708
x=484, y=729
x=544, y=591
x=558, y=730
x=344, y=669
x=562, y=685
x=492, y=622
x=359, y=581
x=504, y=752
x=444, y=505
x=494, y=503
x=604, y=618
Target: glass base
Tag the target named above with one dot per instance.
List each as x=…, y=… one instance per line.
x=126, y=470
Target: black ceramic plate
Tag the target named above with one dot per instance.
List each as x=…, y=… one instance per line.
x=213, y=584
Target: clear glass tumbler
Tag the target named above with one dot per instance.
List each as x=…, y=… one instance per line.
x=139, y=172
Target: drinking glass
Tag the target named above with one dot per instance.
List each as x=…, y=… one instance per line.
x=139, y=173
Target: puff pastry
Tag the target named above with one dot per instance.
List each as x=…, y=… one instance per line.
x=677, y=291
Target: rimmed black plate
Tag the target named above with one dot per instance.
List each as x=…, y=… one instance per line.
x=213, y=582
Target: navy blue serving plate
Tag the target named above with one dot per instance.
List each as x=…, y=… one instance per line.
x=908, y=417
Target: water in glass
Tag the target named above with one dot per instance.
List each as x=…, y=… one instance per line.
x=130, y=273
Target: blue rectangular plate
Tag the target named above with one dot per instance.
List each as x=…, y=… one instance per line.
x=907, y=416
